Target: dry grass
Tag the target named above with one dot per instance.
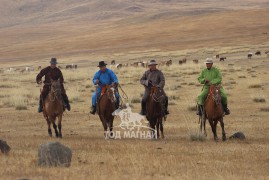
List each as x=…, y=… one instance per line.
x=182, y=154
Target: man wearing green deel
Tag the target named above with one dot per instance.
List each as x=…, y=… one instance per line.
x=211, y=75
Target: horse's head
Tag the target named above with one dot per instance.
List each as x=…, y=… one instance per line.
x=55, y=88
x=110, y=92
x=157, y=93
x=215, y=93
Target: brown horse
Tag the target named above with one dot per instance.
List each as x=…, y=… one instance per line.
x=155, y=110
x=213, y=111
x=54, y=108
x=106, y=106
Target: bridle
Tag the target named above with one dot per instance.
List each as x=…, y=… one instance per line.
x=55, y=93
x=111, y=97
x=156, y=94
x=216, y=97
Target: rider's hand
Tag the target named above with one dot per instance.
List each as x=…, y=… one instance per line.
x=206, y=81
x=149, y=82
x=112, y=84
x=97, y=81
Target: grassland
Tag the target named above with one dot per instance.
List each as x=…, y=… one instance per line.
x=175, y=157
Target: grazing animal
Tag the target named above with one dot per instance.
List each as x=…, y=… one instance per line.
x=249, y=55
x=68, y=66
x=213, y=111
x=54, y=108
x=106, y=106
x=266, y=52
x=113, y=62
x=125, y=65
x=195, y=61
x=222, y=58
x=180, y=62
x=184, y=60
x=118, y=66
x=258, y=53
x=154, y=111
x=217, y=56
x=28, y=69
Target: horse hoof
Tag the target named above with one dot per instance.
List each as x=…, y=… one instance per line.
x=224, y=138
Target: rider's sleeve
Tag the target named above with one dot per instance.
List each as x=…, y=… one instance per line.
x=218, y=78
x=113, y=76
x=162, y=80
x=201, y=78
x=144, y=80
x=61, y=77
x=41, y=74
x=95, y=77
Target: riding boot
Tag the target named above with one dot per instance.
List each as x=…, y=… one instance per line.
x=40, y=105
x=199, y=110
x=143, y=108
x=226, y=110
x=117, y=104
x=93, y=110
x=66, y=103
x=166, y=106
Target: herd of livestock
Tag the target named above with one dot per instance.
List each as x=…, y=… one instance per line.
x=133, y=64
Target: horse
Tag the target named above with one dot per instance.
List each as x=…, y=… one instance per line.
x=155, y=111
x=54, y=108
x=213, y=111
x=106, y=106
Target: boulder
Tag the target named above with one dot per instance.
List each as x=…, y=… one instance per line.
x=4, y=147
x=238, y=135
x=54, y=154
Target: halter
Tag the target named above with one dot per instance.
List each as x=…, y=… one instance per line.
x=217, y=88
x=54, y=92
x=154, y=94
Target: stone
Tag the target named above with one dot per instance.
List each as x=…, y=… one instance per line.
x=54, y=154
x=238, y=135
x=4, y=147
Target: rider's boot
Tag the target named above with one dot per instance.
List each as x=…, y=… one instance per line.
x=40, y=105
x=199, y=110
x=66, y=102
x=93, y=110
x=226, y=110
x=143, y=108
x=166, y=106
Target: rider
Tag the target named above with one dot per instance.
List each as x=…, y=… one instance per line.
x=51, y=73
x=103, y=77
x=210, y=75
x=153, y=76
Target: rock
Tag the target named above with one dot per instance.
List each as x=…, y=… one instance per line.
x=4, y=147
x=54, y=154
x=238, y=135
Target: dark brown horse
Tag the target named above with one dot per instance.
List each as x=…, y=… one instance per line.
x=213, y=111
x=54, y=108
x=106, y=106
x=155, y=111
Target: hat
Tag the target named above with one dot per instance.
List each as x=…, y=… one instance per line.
x=152, y=62
x=101, y=64
x=208, y=61
x=53, y=61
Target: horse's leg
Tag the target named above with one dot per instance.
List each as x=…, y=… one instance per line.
x=161, y=128
x=49, y=129
x=204, y=124
x=152, y=126
x=223, y=131
x=213, y=129
x=157, y=128
x=111, y=126
x=55, y=128
x=104, y=125
x=60, y=125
